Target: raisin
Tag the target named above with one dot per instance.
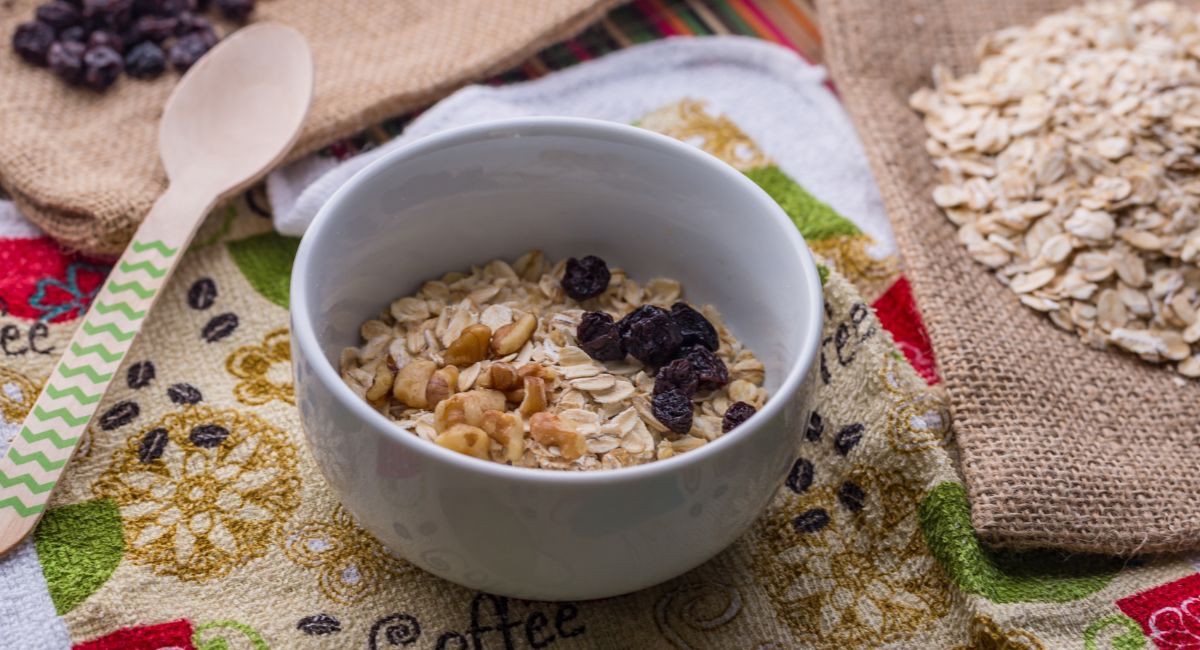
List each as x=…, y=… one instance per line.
x=156, y=28
x=650, y=335
x=66, y=60
x=189, y=22
x=144, y=61
x=599, y=337
x=236, y=10
x=58, y=14
x=32, y=41
x=187, y=50
x=102, y=66
x=108, y=14
x=674, y=410
x=144, y=7
x=176, y=7
x=737, y=413
x=102, y=38
x=585, y=278
x=710, y=370
x=677, y=375
x=76, y=34
x=694, y=327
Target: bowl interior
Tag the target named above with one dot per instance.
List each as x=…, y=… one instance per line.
x=642, y=202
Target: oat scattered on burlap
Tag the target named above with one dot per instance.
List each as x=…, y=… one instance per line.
x=1062, y=445
x=84, y=166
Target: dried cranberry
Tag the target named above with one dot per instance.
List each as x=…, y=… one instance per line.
x=102, y=65
x=187, y=50
x=585, y=278
x=236, y=10
x=58, y=14
x=677, y=375
x=156, y=28
x=737, y=413
x=66, y=60
x=694, y=327
x=102, y=38
x=674, y=410
x=76, y=34
x=650, y=335
x=599, y=337
x=145, y=60
x=32, y=41
x=710, y=370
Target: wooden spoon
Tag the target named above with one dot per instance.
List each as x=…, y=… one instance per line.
x=232, y=116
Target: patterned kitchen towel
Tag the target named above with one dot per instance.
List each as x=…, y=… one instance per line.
x=154, y=541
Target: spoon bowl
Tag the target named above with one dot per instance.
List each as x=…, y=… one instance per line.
x=237, y=111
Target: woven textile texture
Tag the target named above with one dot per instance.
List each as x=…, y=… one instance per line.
x=1062, y=445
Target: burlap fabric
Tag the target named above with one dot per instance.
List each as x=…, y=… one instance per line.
x=85, y=166
x=1061, y=445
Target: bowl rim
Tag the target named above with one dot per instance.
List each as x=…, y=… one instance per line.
x=304, y=336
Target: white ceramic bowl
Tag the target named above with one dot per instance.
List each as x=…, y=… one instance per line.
x=569, y=187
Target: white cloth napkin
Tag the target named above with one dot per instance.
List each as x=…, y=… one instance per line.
x=779, y=100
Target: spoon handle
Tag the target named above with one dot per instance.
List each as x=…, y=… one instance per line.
x=43, y=446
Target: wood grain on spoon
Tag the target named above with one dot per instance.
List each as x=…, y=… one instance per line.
x=231, y=118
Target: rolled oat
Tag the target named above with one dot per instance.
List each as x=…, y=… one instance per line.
x=1069, y=163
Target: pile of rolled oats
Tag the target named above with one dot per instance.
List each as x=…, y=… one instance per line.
x=1069, y=163
x=488, y=363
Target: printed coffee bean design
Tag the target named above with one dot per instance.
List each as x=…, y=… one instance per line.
x=319, y=625
x=119, y=415
x=852, y=496
x=153, y=444
x=140, y=375
x=184, y=394
x=847, y=438
x=208, y=435
x=202, y=294
x=811, y=521
x=220, y=327
x=801, y=476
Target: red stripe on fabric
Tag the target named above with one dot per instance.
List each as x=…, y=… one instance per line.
x=898, y=314
x=753, y=8
x=655, y=18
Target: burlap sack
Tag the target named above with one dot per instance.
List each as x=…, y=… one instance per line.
x=1062, y=445
x=85, y=167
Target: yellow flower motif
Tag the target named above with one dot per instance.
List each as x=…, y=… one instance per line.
x=202, y=491
x=842, y=577
x=987, y=635
x=351, y=563
x=265, y=370
x=16, y=399
x=687, y=120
